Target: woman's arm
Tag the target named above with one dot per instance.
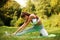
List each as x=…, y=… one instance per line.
x=23, y=26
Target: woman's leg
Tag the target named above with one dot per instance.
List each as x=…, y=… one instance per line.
x=26, y=31
x=43, y=32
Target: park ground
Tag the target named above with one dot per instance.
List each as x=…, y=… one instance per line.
x=29, y=36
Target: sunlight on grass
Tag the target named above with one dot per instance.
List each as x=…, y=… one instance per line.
x=29, y=36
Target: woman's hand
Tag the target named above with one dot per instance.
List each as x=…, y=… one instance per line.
x=13, y=34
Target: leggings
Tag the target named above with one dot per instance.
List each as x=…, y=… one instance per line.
x=39, y=28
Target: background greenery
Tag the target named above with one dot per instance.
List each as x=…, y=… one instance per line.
x=47, y=10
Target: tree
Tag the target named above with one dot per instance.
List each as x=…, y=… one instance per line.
x=8, y=12
x=2, y=2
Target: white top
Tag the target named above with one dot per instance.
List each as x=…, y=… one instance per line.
x=35, y=21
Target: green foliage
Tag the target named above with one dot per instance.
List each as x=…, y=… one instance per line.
x=53, y=3
x=1, y=23
x=53, y=21
x=10, y=13
x=12, y=23
x=29, y=8
x=45, y=9
x=18, y=22
x=2, y=2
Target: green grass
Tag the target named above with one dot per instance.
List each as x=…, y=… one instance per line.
x=29, y=36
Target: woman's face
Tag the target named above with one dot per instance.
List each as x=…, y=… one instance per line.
x=26, y=17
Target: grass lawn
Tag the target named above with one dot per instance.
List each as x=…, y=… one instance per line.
x=29, y=36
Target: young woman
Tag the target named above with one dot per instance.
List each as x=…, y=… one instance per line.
x=37, y=25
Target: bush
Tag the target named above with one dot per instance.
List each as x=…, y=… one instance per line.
x=53, y=21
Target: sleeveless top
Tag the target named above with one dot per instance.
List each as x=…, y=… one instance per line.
x=35, y=21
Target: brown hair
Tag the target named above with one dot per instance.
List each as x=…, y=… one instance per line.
x=24, y=13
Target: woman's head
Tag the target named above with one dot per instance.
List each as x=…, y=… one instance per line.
x=23, y=14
